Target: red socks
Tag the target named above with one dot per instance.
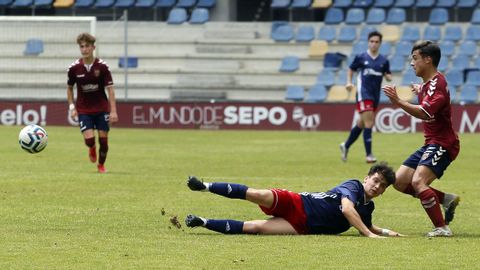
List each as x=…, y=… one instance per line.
x=431, y=204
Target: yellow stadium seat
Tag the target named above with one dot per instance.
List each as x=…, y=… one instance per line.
x=405, y=93
x=321, y=3
x=318, y=48
x=352, y=95
x=63, y=3
x=390, y=33
x=337, y=93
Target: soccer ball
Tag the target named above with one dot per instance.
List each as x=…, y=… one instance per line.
x=33, y=138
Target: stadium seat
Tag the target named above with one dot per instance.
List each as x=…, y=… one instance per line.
x=84, y=3
x=5, y=3
x=186, y=3
x=475, y=17
x=63, y=3
x=33, y=47
x=432, y=32
x=355, y=16
x=317, y=93
x=461, y=61
x=199, y=16
x=132, y=62
x=295, y=93
x=404, y=92
x=301, y=4
x=338, y=93
x=376, y=16
x=305, y=33
x=396, y=16
x=453, y=33
x=347, y=34
x=145, y=3
x=280, y=3
x=438, y=16
x=166, y=3
x=409, y=77
x=317, y=48
x=342, y=3
x=390, y=33
x=124, y=3
x=397, y=63
x=289, y=64
x=281, y=31
x=453, y=93
x=327, y=33
x=446, y=3
x=177, y=16
x=323, y=4
x=42, y=3
x=341, y=78
x=443, y=64
x=334, y=16
x=468, y=47
x=386, y=48
x=404, y=3
x=362, y=3
x=104, y=3
x=454, y=77
x=383, y=98
x=473, y=33
x=424, y=3
x=410, y=33
x=447, y=47
x=367, y=29
x=333, y=61
x=468, y=95
x=466, y=3
x=359, y=47
x=326, y=77
x=206, y=3
x=404, y=48
x=22, y=3
x=473, y=78
x=477, y=62
x=383, y=3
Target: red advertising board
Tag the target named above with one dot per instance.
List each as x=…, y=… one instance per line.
x=236, y=115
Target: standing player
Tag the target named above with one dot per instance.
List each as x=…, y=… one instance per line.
x=332, y=212
x=371, y=67
x=93, y=108
x=441, y=142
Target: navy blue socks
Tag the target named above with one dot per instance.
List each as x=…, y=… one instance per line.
x=229, y=190
x=367, y=139
x=354, y=133
x=226, y=226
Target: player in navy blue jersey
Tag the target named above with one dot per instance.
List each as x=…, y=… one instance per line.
x=332, y=212
x=371, y=67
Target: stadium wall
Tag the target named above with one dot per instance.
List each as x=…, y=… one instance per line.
x=231, y=115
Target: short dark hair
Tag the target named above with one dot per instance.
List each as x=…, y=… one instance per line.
x=386, y=171
x=375, y=33
x=430, y=49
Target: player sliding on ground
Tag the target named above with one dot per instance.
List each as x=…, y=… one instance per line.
x=332, y=212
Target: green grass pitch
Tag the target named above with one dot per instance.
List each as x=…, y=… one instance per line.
x=56, y=212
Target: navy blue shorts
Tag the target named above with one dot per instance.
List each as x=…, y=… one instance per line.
x=99, y=121
x=433, y=156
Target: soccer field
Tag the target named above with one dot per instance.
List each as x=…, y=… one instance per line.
x=57, y=212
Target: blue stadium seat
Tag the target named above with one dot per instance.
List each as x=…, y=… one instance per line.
x=341, y=77
x=104, y=3
x=342, y=3
x=454, y=77
x=447, y=47
x=404, y=3
x=404, y=48
x=411, y=33
x=347, y=34
x=367, y=29
x=43, y=3
x=453, y=93
x=355, y=16
x=317, y=93
x=305, y=33
x=438, y=16
x=124, y=3
x=280, y=4
x=132, y=62
x=333, y=61
x=375, y=16
x=327, y=33
x=22, y=3
x=424, y=3
x=289, y=64
x=473, y=78
x=453, y=33
x=386, y=48
x=383, y=3
x=206, y=3
x=476, y=63
x=334, y=16
x=295, y=93
x=397, y=63
x=145, y=3
x=186, y=3
x=5, y=3
x=301, y=4
x=446, y=3
x=84, y=3
x=475, y=17
x=466, y=3
x=443, y=64
x=468, y=95
x=383, y=98
x=281, y=31
x=166, y=3
x=326, y=77
x=362, y=3
x=461, y=61
x=33, y=47
x=468, y=47
x=199, y=16
x=409, y=77
x=432, y=32
x=396, y=16
x=359, y=47
x=473, y=33
x=177, y=16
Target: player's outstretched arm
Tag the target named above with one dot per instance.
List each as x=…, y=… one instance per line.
x=348, y=210
x=385, y=232
x=412, y=109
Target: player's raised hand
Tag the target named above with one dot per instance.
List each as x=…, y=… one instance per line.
x=415, y=87
x=349, y=86
x=391, y=92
